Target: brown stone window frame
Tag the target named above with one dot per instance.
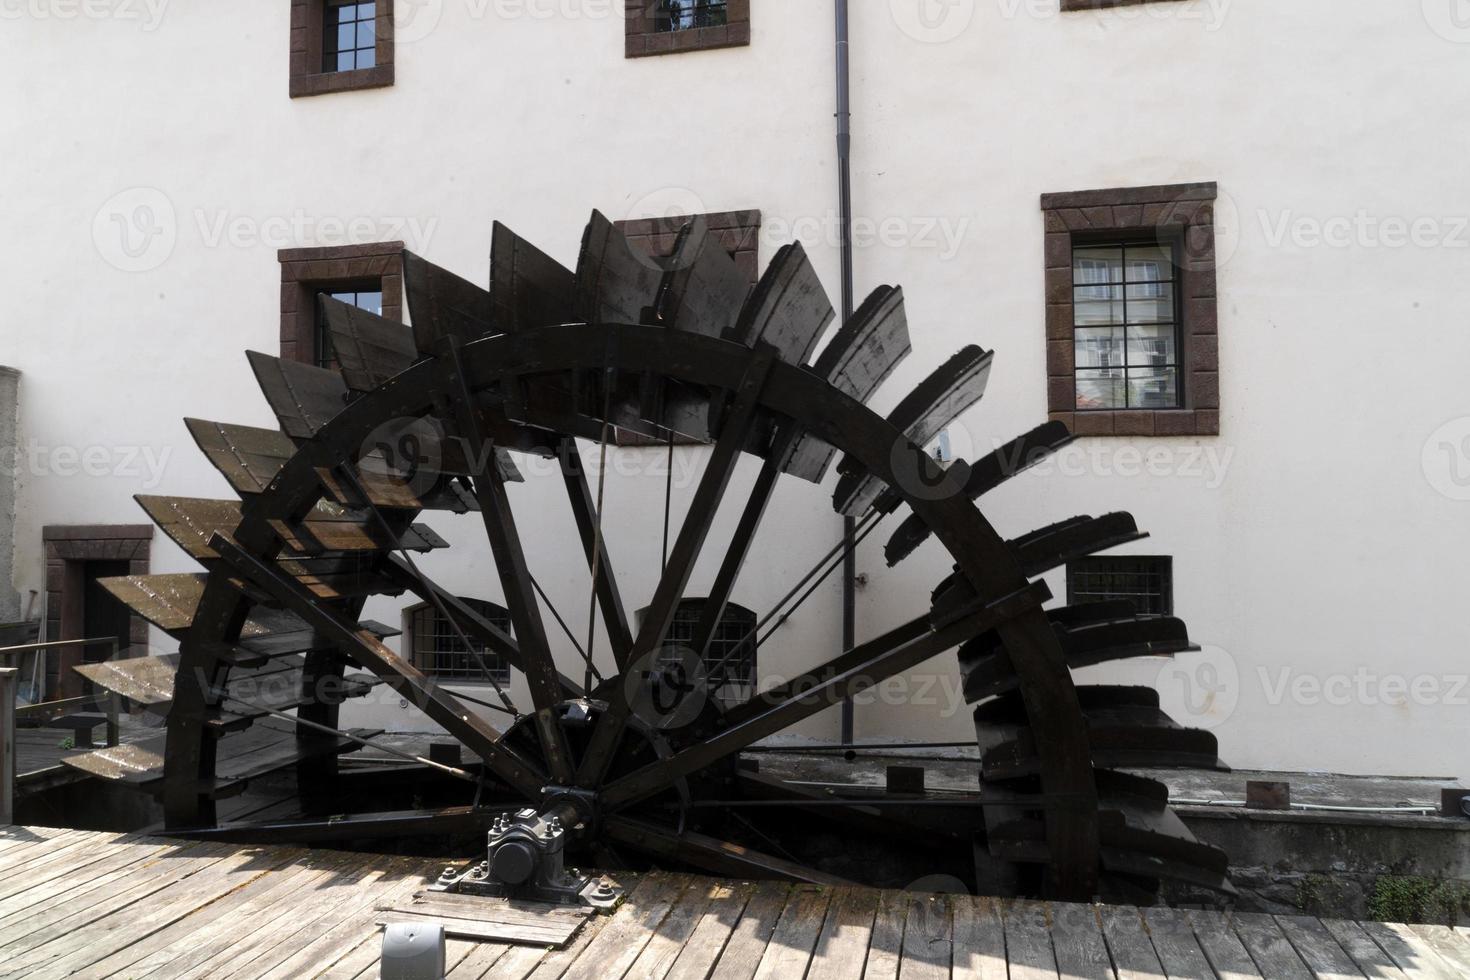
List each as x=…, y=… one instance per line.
x=642, y=38
x=307, y=271
x=1181, y=214
x=68, y=548
x=308, y=21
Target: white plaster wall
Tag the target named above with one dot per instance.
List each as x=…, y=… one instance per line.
x=1308, y=536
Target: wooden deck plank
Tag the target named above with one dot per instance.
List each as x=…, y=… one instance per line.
x=37, y=862
x=928, y=939
x=1227, y=955
x=747, y=944
x=1451, y=947
x=715, y=927
x=1078, y=943
x=1269, y=947
x=1128, y=941
x=555, y=963
x=1174, y=940
x=78, y=949
x=673, y=932
x=616, y=948
x=790, y=950
x=25, y=932
x=1409, y=952
x=1366, y=954
x=474, y=964
x=34, y=892
x=842, y=947
x=1028, y=941
x=885, y=946
x=1314, y=944
x=979, y=940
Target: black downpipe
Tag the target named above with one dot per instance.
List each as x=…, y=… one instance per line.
x=844, y=194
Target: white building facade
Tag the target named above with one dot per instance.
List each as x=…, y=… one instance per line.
x=159, y=156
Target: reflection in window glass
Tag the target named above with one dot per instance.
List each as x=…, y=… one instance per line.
x=349, y=40
x=683, y=15
x=1126, y=326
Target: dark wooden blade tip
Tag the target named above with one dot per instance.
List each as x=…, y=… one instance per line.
x=369, y=349
x=303, y=397
x=615, y=283
x=788, y=310
x=702, y=291
x=528, y=288
x=249, y=458
x=443, y=305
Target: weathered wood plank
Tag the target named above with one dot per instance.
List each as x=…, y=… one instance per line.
x=482, y=930
x=616, y=948
x=668, y=939
x=928, y=939
x=842, y=947
x=715, y=927
x=1409, y=952
x=1078, y=943
x=474, y=964
x=1174, y=940
x=1451, y=947
x=1028, y=942
x=1314, y=944
x=979, y=940
x=742, y=954
x=1269, y=947
x=1227, y=955
x=1366, y=955
x=554, y=965
x=885, y=949
x=1133, y=952
x=790, y=949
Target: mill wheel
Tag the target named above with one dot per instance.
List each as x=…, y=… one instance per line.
x=630, y=348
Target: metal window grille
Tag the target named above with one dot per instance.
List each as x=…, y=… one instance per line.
x=684, y=15
x=439, y=652
x=368, y=296
x=1147, y=582
x=350, y=36
x=1126, y=317
x=732, y=639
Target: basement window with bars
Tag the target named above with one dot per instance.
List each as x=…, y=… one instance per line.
x=350, y=36
x=686, y=15
x=1145, y=581
x=1126, y=326
x=439, y=652
x=731, y=652
x=367, y=296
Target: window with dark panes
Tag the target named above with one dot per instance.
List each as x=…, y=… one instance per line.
x=1126, y=322
x=1145, y=581
x=367, y=296
x=439, y=651
x=685, y=15
x=350, y=37
x=730, y=660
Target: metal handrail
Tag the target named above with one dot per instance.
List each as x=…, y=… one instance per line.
x=110, y=702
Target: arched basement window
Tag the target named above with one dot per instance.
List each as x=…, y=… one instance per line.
x=732, y=649
x=439, y=652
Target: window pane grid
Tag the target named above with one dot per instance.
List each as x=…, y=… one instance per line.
x=1147, y=582
x=1125, y=318
x=439, y=652
x=684, y=15
x=734, y=626
x=349, y=40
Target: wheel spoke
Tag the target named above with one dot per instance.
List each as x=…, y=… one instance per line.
x=515, y=580
x=473, y=731
x=859, y=669
x=692, y=532
x=588, y=516
x=712, y=854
